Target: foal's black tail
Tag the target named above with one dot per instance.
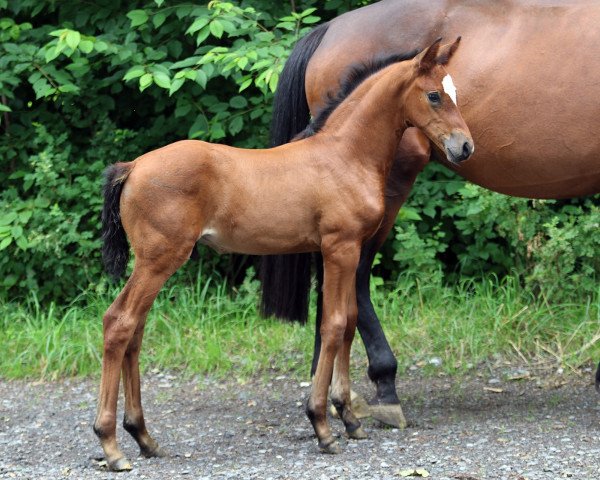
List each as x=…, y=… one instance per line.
x=115, y=249
x=286, y=278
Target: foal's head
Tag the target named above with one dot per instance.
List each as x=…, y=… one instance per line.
x=430, y=103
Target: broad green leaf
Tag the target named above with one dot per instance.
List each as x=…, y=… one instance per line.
x=22, y=242
x=159, y=19
x=86, y=46
x=273, y=81
x=51, y=54
x=238, y=102
x=199, y=127
x=236, y=125
x=4, y=108
x=8, y=218
x=100, y=46
x=245, y=84
x=198, y=24
x=73, y=39
x=162, y=80
x=202, y=35
x=5, y=242
x=188, y=62
x=183, y=109
x=137, y=17
x=216, y=28
x=311, y=20
x=307, y=12
x=176, y=84
x=201, y=78
x=242, y=62
x=145, y=81
x=134, y=72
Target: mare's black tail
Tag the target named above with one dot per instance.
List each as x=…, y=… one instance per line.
x=115, y=249
x=286, y=278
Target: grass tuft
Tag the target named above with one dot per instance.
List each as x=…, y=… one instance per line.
x=211, y=329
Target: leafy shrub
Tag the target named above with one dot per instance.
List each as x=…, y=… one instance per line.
x=83, y=85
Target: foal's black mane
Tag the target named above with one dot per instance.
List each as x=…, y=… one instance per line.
x=354, y=77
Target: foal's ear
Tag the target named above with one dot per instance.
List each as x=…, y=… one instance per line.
x=426, y=60
x=446, y=52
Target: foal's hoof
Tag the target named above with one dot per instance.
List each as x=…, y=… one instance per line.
x=332, y=447
x=357, y=434
x=119, y=465
x=391, y=415
x=156, y=452
x=360, y=407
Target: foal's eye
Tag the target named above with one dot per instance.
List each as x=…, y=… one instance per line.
x=434, y=97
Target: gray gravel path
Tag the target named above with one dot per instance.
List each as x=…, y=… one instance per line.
x=468, y=428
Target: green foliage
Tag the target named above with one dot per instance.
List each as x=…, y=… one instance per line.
x=464, y=230
x=83, y=85
x=86, y=85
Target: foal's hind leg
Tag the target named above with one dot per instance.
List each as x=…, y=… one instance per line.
x=123, y=319
x=340, y=385
x=133, y=419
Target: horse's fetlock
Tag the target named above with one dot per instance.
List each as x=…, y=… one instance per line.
x=99, y=431
x=132, y=426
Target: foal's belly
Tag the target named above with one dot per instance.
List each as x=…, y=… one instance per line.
x=259, y=240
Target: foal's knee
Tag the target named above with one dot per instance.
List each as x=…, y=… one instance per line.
x=333, y=329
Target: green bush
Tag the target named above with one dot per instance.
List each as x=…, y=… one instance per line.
x=83, y=85
x=461, y=229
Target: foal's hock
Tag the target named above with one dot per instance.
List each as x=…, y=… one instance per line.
x=322, y=193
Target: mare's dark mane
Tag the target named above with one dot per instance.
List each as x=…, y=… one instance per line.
x=356, y=75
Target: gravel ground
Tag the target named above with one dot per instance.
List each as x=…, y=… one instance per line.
x=463, y=428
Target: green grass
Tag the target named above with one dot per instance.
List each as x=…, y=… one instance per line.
x=209, y=329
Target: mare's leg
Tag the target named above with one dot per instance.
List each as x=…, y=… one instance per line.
x=340, y=385
x=123, y=326
x=340, y=261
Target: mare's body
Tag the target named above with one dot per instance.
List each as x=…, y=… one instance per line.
x=529, y=99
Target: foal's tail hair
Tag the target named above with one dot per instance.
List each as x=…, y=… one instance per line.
x=286, y=278
x=115, y=249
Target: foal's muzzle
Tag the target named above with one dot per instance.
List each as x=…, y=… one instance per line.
x=458, y=147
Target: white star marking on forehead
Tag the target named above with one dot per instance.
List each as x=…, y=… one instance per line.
x=449, y=87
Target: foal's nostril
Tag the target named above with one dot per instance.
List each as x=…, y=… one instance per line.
x=466, y=150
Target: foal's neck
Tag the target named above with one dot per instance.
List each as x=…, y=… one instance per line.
x=371, y=121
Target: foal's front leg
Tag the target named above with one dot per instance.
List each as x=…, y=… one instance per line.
x=340, y=260
x=340, y=384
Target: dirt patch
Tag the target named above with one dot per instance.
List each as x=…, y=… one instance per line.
x=493, y=426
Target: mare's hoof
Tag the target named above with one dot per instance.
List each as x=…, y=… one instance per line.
x=391, y=415
x=119, y=465
x=357, y=434
x=331, y=448
x=156, y=452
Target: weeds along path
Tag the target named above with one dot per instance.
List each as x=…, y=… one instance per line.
x=546, y=426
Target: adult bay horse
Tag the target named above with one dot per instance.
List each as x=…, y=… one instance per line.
x=530, y=101
x=323, y=193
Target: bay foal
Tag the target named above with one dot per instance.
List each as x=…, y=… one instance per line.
x=324, y=192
